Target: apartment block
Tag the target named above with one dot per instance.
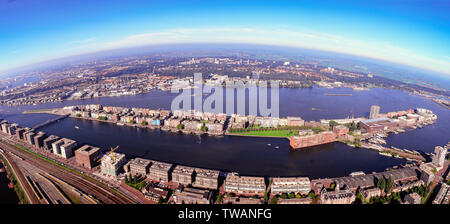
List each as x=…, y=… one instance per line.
x=139, y=166
x=39, y=139
x=112, y=163
x=182, y=175
x=192, y=196
x=64, y=147
x=47, y=142
x=290, y=184
x=205, y=178
x=87, y=156
x=244, y=184
x=160, y=171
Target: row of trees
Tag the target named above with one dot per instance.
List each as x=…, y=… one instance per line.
x=283, y=128
x=351, y=126
x=135, y=182
x=385, y=184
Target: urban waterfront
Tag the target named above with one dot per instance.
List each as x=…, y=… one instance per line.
x=231, y=153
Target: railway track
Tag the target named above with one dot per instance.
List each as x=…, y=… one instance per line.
x=107, y=196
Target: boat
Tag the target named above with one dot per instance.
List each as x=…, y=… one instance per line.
x=76, y=127
x=269, y=144
x=385, y=154
x=120, y=124
x=277, y=147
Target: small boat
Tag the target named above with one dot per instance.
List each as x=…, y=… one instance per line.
x=277, y=147
x=76, y=127
x=269, y=144
x=120, y=124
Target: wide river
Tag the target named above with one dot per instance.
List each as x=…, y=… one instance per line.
x=250, y=155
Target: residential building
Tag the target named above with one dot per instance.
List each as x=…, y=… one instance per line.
x=290, y=184
x=244, y=185
x=205, y=178
x=47, y=142
x=371, y=192
x=295, y=121
x=182, y=175
x=39, y=139
x=87, y=156
x=160, y=171
x=192, y=196
x=139, y=167
x=413, y=199
x=337, y=196
x=324, y=137
x=374, y=111
x=439, y=156
x=112, y=163
x=64, y=147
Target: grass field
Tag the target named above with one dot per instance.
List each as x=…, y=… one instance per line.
x=269, y=133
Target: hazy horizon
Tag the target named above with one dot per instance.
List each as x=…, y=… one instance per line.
x=413, y=33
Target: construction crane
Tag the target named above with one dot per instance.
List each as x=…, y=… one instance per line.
x=110, y=153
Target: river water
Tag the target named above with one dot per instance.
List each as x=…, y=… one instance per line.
x=250, y=155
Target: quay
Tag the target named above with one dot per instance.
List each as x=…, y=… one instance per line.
x=190, y=184
x=338, y=94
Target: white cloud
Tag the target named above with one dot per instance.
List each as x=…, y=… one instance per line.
x=280, y=37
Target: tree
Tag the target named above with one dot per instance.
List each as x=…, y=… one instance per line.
x=274, y=200
x=359, y=198
x=389, y=185
x=312, y=195
x=381, y=183
x=332, y=124
x=291, y=195
x=353, y=126
x=203, y=128
x=219, y=198
x=332, y=186
x=144, y=123
x=266, y=196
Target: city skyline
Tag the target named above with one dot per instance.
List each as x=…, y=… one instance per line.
x=413, y=33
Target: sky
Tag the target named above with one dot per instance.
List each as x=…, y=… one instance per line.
x=414, y=33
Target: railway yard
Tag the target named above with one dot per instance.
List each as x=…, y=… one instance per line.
x=45, y=182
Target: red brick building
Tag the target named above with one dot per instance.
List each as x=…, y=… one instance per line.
x=312, y=140
x=86, y=156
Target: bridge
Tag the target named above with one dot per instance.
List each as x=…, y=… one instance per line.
x=50, y=121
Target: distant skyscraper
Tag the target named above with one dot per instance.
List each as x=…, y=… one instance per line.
x=374, y=111
x=439, y=157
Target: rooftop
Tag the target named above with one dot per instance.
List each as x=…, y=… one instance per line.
x=161, y=166
x=183, y=169
x=140, y=162
x=207, y=173
x=88, y=149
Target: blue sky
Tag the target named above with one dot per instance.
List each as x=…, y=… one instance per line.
x=415, y=33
